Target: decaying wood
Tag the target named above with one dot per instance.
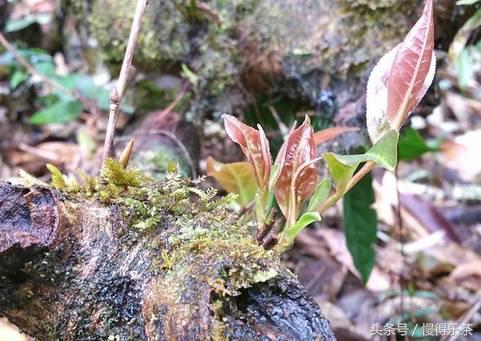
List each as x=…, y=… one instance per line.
x=74, y=268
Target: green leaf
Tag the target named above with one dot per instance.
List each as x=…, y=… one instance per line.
x=60, y=112
x=87, y=88
x=237, y=177
x=320, y=195
x=304, y=220
x=275, y=169
x=384, y=153
x=189, y=75
x=360, y=226
x=27, y=20
x=17, y=78
x=412, y=145
x=340, y=172
x=46, y=68
x=272, y=181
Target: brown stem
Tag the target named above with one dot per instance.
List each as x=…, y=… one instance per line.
x=401, y=241
x=118, y=92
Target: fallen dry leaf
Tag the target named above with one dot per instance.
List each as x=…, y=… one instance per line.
x=9, y=332
x=462, y=155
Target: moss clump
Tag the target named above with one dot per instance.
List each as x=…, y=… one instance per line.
x=114, y=182
x=239, y=260
x=190, y=246
x=199, y=223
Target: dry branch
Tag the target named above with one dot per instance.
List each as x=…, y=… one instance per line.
x=118, y=91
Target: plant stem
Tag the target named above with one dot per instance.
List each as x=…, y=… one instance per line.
x=333, y=199
x=118, y=91
x=368, y=166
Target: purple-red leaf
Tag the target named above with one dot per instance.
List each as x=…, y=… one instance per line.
x=298, y=175
x=255, y=147
x=325, y=135
x=407, y=81
x=401, y=78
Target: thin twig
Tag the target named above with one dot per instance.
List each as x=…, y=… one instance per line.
x=118, y=91
x=400, y=224
x=174, y=103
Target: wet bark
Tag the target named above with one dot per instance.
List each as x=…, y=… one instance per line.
x=75, y=269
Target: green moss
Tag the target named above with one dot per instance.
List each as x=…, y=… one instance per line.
x=114, y=173
x=219, y=241
x=199, y=235
x=58, y=180
x=29, y=180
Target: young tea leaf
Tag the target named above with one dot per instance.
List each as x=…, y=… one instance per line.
x=255, y=147
x=320, y=195
x=298, y=177
x=401, y=78
x=290, y=234
x=413, y=69
x=376, y=97
x=360, y=226
x=237, y=177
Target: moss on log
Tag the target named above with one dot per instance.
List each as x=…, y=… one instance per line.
x=125, y=257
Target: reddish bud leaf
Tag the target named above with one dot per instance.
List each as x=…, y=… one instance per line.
x=401, y=78
x=298, y=175
x=412, y=71
x=254, y=145
x=330, y=133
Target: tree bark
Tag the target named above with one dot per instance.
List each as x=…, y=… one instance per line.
x=75, y=267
